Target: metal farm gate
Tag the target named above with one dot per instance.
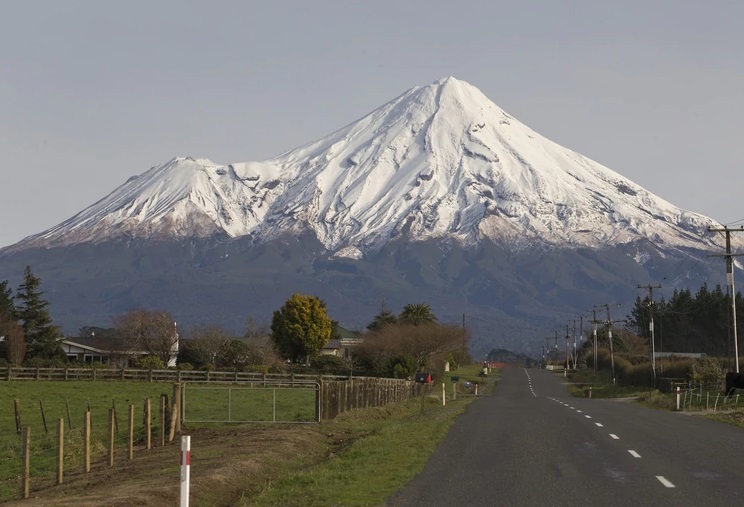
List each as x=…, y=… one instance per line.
x=279, y=402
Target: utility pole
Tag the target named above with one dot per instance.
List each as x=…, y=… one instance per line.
x=594, y=333
x=543, y=356
x=581, y=334
x=609, y=322
x=651, y=324
x=565, y=372
x=730, y=284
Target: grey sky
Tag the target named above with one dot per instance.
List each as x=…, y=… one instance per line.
x=92, y=92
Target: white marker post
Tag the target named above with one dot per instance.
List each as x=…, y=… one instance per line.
x=476, y=389
x=444, y=397
x=185, y=470
x=677, y=397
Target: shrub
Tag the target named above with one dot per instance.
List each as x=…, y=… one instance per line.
x=657, y=399
x=150, y=363
x=331, y=365
x=639, y=375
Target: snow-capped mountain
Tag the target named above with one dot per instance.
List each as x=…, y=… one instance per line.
x=438, y=162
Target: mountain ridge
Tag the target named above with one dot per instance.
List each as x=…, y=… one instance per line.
x=438, y=162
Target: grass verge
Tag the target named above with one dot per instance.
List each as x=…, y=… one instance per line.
x=363, y=456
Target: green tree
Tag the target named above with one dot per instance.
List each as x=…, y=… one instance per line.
x=236, y=355
x=402, y=366
x=417, y=314
x=7, y=308
x=301, y=328
x=33, y=310
x=382, y=319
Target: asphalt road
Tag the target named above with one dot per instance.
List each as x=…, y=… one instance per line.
x=531, y=443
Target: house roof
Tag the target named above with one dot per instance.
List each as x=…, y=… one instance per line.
x=333, y=344
x=345, y=333
x=98, y=343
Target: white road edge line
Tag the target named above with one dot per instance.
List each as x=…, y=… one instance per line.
x=614, y=436
x=633, y=453
x=665, y=481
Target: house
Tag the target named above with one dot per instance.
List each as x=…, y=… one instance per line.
x=342, y=343
x=107, y=350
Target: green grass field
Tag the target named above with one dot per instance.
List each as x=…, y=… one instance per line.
x=221, y=404
x=69, y=401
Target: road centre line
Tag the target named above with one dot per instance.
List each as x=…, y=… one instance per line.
x=633, y=453
x=600, y=425
x=588, y=416
x=665, y=481
x=615, y=437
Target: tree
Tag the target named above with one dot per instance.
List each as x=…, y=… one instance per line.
x=417, y=314
x=382, y=319
x=7, y=308
x=301, y=328
x=253, y=330
x=205, y=345
x=149, y=331
x=41, y=335
x=14, y=346
x=235, y=355
x=427, y=345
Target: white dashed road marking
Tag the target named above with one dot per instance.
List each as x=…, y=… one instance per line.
x=615, y=437
x=600, y=425
x=633, y=453
x=588, y=416
x=665, y=481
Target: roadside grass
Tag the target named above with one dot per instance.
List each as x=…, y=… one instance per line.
x=359, y=458
x=713, y=406
x=579, y=382
x=735, y=417
x=383, y=454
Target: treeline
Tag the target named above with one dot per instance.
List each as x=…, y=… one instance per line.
x=689, y=322
x=392, y=345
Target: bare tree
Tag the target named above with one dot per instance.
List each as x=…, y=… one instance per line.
x=427, y=345
x=15, y=344
x=205, y=345
x=149, y=331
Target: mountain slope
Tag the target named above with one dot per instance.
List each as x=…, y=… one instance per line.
x=439, y=162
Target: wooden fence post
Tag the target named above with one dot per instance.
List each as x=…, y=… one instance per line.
x=86, y=441
x=112, y=437
x=69, y=416
x=60, y=450
x=174, y=415
x=148, y=423
x=17, y=406
x=43, y=416
x=131, y=432
x=318, y=400
x=177, y=407
x=26, y=461
x=163, y=419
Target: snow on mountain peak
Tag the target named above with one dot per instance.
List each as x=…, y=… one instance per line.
x=439, y=161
